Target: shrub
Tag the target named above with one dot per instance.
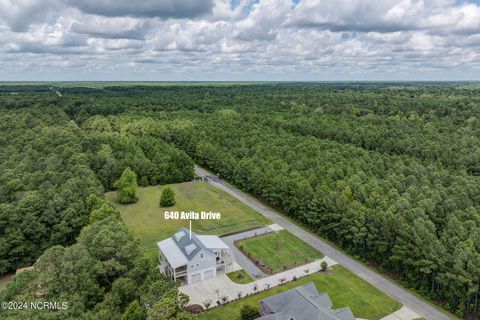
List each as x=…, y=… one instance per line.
x=167, y=198
x=207, y=303
x=248, y=312
x=324, y=266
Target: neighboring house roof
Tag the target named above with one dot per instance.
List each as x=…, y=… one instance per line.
x=180, y=248
x=303, y=303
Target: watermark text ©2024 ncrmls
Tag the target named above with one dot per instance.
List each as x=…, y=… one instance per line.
x=34, y=305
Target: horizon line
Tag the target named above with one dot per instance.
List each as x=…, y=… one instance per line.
x=230, y=81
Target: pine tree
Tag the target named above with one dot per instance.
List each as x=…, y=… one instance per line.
x=167, y=199
x=127, y=187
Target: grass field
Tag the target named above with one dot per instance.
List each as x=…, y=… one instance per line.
x=240, y=276
x=146, y=218
x=4, y=280
x=280, y=250
x=344, y=288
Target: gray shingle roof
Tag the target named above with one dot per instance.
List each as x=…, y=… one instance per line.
x=303, y=303
x=189, y=247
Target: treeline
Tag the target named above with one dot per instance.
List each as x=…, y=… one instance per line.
x=427, y=137
x=44, y=180
x=103, y=276
x=111, y=147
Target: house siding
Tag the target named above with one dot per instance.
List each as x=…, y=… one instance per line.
x=200, y=266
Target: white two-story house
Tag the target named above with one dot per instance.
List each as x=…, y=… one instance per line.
x=190, y=257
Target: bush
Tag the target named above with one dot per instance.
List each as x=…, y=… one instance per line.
x=207, y=303
x=324, y=266
x=248, y=312
x=167, y=199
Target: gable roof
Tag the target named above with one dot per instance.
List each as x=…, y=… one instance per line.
x=189, y=246
x=180, y=248
x=303, y=303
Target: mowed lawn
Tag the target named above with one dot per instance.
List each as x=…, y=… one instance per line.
x=344, y=288
x=240, y=276
x=280, y=250
x=146, y=218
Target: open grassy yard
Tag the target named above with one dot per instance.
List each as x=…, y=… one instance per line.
x=146, y=218
x=344, y=288
x=240, y=276
x=4, y=280
x=280, y=250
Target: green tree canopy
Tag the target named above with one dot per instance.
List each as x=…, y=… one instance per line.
x=134, y=312
x=105, y=211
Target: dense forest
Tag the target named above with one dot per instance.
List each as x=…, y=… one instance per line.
x=390, y=172
x=53, y=174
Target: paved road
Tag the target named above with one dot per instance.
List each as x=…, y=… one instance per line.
x=242, y=260
x=383, y=284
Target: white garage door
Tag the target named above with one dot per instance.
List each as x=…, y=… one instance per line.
x=208, y=274
x=196, y=277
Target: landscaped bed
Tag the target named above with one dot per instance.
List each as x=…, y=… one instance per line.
x=240, y=276
x=146, y=218
x=278, y=251
x=343, y=287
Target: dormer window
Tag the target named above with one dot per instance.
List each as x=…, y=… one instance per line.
x=190, y=248
x=179, y=235
x=201, y=255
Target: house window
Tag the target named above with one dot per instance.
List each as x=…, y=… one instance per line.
x=192, y=265
x=201, y=255
x=197, y=264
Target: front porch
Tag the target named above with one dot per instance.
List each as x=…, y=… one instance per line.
x=179, y=273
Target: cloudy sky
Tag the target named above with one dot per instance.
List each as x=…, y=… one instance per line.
x=239, y=40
